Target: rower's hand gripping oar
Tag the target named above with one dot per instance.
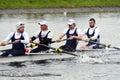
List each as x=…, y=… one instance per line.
x=7, y=43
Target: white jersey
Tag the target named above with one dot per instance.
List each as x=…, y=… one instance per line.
x=17, y=36
x=91, y=30
x=43, y=34
x=72, y=31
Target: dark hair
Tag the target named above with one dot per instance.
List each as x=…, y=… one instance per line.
x=92, y=19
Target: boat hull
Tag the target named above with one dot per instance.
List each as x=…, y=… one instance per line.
x=53, y=55
x=34, y=57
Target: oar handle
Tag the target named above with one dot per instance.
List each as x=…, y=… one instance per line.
x=10, y=43
x=60, y=40
x=7, y=43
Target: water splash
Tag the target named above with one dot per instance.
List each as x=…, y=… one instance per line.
x=87, y=59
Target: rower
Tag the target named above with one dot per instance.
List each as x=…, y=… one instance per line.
x=72, y=33
x=93, y=36
x=19, y=39
x=45, y=37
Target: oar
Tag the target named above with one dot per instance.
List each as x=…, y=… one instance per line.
x=31, y=45
x=8, y=43
x=108, y=46
x=59, y=50
x=5, y=50
x=60, y=41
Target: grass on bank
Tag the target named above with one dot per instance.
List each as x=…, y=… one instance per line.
x=57, y=3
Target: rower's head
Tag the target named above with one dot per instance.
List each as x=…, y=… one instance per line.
x=20, y=27
x=92, y=22
x=71, y=24
x=43, y=25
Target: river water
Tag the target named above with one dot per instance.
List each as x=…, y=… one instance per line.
x=66, y=69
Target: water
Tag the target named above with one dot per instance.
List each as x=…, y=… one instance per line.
x=62, y=70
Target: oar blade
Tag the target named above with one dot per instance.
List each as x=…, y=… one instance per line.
x=116, y=48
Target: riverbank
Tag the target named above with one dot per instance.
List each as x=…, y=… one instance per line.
x=60, y=10
x=12, y=4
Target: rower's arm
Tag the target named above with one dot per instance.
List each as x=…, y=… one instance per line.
x=26, y=38
x=7, y=39
x=79, y=37
x=35, y=36
x=60, y=37
x=32, y=38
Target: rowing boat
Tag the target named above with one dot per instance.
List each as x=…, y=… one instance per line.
x=35, y=57
x=53, y=55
